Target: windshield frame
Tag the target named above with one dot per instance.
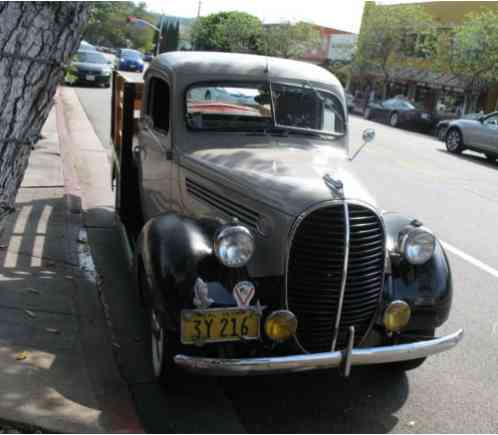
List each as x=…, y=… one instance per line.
x=323, y=134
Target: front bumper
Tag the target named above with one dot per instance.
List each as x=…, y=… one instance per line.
x=306, y=362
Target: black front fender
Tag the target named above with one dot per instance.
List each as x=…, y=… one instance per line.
x=168, y=251
x=427, y=288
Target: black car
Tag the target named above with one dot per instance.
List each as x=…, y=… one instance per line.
x=89, y=67
x=398, y=112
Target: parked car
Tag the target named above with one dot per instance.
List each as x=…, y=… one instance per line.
x=256, y=248
x=130, y=60
x=442, y=126
x=479, y=135
x=399, y=112
x=148, y=57
x=87, y=46
x=89, y=67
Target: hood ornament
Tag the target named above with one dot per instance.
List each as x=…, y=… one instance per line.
x=336, y=186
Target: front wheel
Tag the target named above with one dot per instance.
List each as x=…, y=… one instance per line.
x=160, y=348
x=367, y=113
x=394, y=120
x=405, y=366
x=454, y=141
x=161, y=343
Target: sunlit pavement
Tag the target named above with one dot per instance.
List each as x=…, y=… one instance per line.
x=455, y=196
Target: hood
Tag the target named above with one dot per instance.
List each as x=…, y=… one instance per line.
x=288, y=177
x=93, y=67
x=132, y=60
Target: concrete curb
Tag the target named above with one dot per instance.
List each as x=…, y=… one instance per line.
x=114, y=397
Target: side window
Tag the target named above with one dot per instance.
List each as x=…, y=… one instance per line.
x=492, y=121
x=388, y=104
x=158, y=104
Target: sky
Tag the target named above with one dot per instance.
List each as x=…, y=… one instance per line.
x=338, y=14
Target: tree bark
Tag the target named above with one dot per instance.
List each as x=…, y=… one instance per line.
x=36, y=40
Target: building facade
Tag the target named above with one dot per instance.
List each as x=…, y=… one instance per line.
x=336, y=45
x=440, y=92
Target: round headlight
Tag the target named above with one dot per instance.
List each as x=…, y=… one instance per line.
x=234, y=246
x=417, y=245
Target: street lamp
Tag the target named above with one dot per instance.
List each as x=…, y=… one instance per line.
x=139, y=22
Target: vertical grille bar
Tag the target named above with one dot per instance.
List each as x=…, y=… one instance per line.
x=347, y=235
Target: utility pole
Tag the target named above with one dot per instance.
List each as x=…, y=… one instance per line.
x=199, y=9
x=160, y=36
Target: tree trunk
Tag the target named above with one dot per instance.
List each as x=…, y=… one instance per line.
x=30, y=31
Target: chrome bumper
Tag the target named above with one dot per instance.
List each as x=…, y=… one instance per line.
x=300, y=363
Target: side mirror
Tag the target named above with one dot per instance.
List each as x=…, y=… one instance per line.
x=368, y=135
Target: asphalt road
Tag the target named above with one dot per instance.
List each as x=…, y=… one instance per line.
x=455, y=392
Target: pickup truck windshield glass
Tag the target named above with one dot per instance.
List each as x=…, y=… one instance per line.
x=249, y=108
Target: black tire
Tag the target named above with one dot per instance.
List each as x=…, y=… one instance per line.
x=162, y=345
x=394, y=119
x=454, y=141
x=405, y=366
x=440, y=134
x=367, y=114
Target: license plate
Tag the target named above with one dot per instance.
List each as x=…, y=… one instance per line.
x=219, y=325
x=90, y=78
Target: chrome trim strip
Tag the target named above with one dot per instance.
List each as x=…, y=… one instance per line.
x=347, y=240
x=301, y=363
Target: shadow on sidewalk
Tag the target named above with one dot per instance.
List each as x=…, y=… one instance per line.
x=42, y=373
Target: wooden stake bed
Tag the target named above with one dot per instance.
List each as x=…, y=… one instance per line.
x=126, y=104
x=126, y=101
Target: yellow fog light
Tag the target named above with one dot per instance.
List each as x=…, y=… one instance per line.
x=397, y=316
x=281, y=325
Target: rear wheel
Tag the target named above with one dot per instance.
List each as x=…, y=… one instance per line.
x=454, y=141
x=394, y=119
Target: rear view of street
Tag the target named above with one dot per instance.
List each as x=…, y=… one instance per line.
x=407, y=172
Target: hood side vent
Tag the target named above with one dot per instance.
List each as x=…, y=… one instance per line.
x=245, y=215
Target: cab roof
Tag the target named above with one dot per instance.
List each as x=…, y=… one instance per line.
x=248, y=66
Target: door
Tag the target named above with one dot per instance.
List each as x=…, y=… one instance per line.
x=488, y=134
x=154, y=150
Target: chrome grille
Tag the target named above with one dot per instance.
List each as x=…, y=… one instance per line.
x=315, y=268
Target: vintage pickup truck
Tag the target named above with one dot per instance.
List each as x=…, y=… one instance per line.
x=254, y=245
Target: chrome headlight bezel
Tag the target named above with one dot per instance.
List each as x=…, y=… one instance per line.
x=227, y=238
x=413, y=239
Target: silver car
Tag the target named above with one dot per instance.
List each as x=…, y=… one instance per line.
x=479, y=135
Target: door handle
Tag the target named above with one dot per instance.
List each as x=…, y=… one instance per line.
x=136, y=150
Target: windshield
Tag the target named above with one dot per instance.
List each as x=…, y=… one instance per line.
x=248, y=107
x=130, y=54
x=90, y=57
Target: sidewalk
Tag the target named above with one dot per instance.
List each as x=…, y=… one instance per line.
x=57, y=369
